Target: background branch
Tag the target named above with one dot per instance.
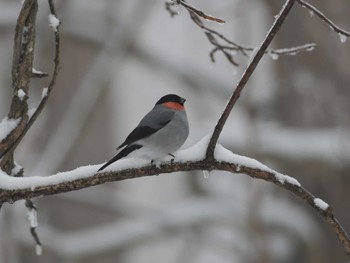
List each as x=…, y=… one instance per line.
x=229, y=48
x=324, y=18
x=21, y=74
x=14, y=138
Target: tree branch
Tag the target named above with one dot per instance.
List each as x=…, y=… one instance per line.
x=324, y=18
x=33, y=222
x=22, y=65
x=246, y=75
x=201, y=13
x=22, y=72
x=14, y=138
x=221, y=43
x=83, y=177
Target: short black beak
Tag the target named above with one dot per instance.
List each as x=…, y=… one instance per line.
x=183, y=101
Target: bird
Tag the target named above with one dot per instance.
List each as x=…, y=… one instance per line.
x=160, y=133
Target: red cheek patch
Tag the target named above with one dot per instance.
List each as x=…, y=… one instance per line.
x=173, y=105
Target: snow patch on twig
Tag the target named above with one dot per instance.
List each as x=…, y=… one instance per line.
x=34, y=71
x=38, y=249
x=21, y=94
x=282, y=178
x=53, y=22
x=15, y=170
x=32, y=217
x=321, y=204
x=44, y=93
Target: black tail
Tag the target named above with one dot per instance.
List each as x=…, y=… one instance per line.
x=121, y=154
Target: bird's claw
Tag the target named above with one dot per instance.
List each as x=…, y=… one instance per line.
x=172, y=159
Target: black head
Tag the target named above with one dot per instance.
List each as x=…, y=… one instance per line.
x=171, y=98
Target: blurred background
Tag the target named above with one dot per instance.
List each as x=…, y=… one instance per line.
x=117, y=59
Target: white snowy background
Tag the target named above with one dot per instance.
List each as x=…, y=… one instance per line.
x=117, y=59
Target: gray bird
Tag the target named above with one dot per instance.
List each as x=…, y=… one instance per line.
x=159, y=134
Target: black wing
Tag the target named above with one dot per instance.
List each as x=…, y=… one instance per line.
x=137, y=134
x=152, y=122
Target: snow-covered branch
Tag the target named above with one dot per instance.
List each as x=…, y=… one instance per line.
x=193, y=158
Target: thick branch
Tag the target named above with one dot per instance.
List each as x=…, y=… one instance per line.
x=246, y=75
x=21, y=74
x=283, y=181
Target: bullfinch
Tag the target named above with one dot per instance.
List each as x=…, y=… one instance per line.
x=159, y=134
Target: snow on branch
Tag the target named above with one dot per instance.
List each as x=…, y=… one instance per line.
x=38, y=73
x=193, y=158
x=53, y=22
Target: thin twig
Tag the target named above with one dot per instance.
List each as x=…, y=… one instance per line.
x=201, y=13
x=210, y=32
x=246, y=75
x=221, y=43
x=324, y=18
x=293, y=50
x=32, y=211
x=282, y=51
x=54, y=75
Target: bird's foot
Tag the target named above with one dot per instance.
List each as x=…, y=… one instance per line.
x=172, y=159
x=156, y=163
